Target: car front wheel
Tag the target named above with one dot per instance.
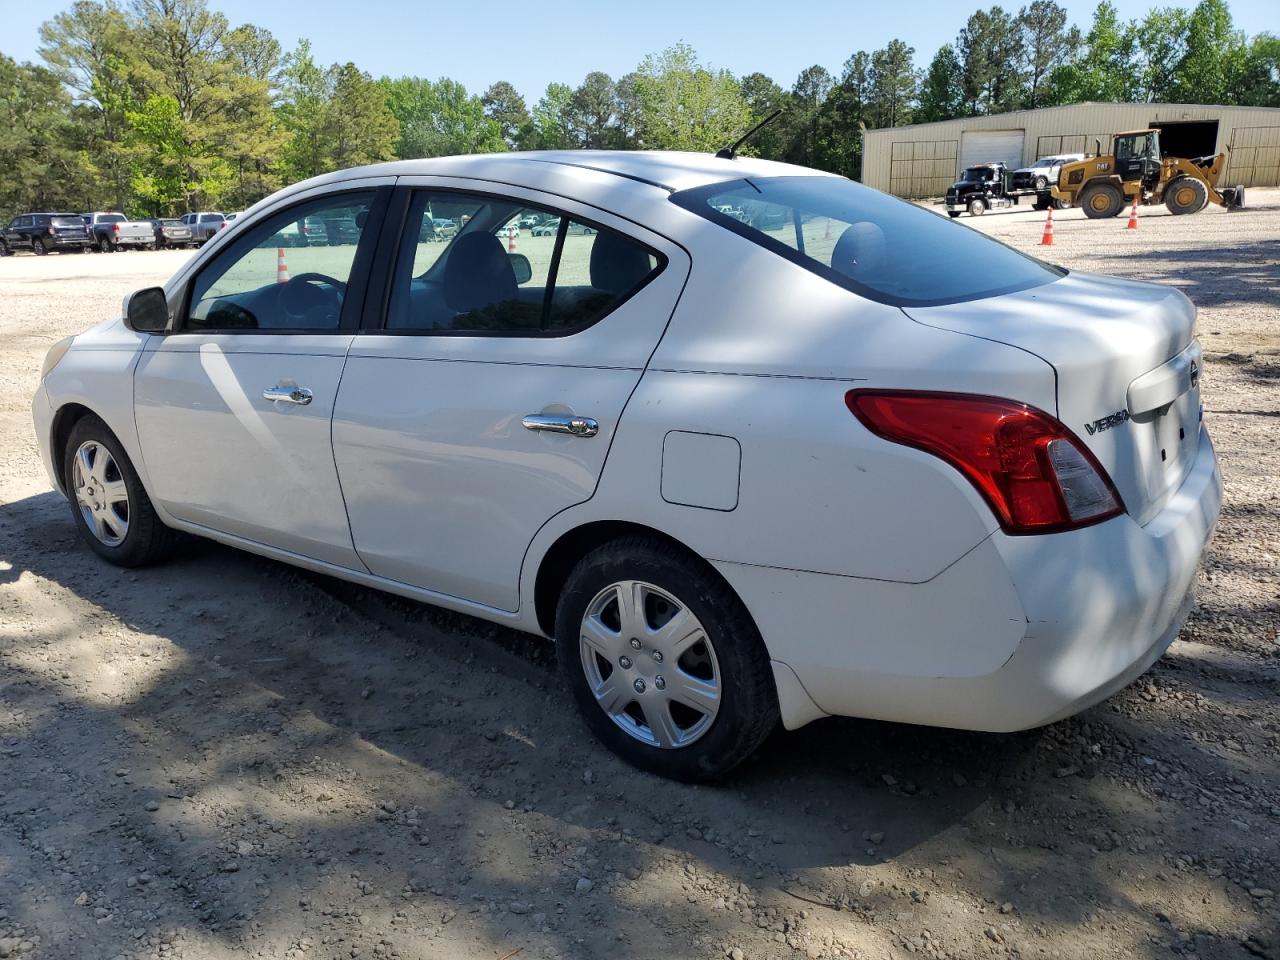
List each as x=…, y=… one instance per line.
x=666, y=666
x=977, y=208
x=110, y=506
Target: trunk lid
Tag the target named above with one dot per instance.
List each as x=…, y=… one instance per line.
x=1127, y=367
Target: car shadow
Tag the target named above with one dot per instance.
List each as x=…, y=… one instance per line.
x=334, y=724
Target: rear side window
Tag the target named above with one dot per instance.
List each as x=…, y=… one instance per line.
x=473, y=264
x=878, y=246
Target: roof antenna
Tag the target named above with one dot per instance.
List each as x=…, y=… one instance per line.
x=730, y=153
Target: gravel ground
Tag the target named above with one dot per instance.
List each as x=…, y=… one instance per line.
x=227, y=758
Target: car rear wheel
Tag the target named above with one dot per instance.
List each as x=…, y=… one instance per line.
x=39, y=246
x=111, y=508
x=105, y=245
x=665, y=664
x=4, y=249
x=1101, y=200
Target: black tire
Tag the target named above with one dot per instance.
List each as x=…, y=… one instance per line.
x=4, y=249
x=105, y=245
x=977, y=207
x=147, y=540
x=1062, y=204
x=1042, y=203
x=1101, y=201
x=748, y=707
x=39, y=246
x=1042, y=183
x=953, y=214
x=1185, y=195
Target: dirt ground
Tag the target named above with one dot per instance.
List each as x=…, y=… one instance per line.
x=227, y=758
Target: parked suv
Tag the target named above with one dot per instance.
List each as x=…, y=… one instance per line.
x=43, y=232
x=204, y=225
x=171, y=233
x=1043, y=173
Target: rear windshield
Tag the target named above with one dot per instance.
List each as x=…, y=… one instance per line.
x=876, y=245
x=111, y=218
x=211, y=217
x=68, y=222
x=172, y=223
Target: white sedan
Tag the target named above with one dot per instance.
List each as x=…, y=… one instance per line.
x=794, y=459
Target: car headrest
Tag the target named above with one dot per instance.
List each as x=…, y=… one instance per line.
x=478, y=273
x=362, y=218
x=617, y=263
x=859, y=253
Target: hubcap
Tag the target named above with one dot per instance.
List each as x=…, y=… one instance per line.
x=670, y=709
x=101, y=493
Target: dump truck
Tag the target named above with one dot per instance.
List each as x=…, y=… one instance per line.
x=1104, y=184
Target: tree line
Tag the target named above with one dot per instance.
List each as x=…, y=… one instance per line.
x=160, y=106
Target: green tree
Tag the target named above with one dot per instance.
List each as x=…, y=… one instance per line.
x=1260, y=79
x=803, y=123
x=549, y=122
x=593, y=112
x=304, y=93
x=893, y=85
x=439, y=119
x=357, y=125
x=43, y=169
x=1106, y=68
x=1047, y=42
x=1161, y=42
x=90, y=47
x=763, y=97
x=685, y=105
x=1215, y=57
x=990, y=47
x=503, y=105
x=942, y=89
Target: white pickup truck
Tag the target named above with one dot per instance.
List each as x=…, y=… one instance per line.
x=110, y=231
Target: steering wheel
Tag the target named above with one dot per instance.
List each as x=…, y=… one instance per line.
x=305, y=301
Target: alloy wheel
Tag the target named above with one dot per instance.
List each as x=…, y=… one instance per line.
x=650, y=664
x=101, y=493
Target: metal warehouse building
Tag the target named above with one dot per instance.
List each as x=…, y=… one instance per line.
x=923, y=159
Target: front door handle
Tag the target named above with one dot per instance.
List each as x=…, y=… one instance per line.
x=574, y=426
x=299, y=395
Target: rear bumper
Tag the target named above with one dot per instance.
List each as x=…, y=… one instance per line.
x=1020, y=632
x=58, y=243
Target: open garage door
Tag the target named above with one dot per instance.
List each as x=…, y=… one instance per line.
x=988, y=146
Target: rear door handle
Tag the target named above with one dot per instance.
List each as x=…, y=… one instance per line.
x=299, y=395
x=574, y=426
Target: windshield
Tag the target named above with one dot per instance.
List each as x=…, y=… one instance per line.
x=876, y=245
x=977, y=174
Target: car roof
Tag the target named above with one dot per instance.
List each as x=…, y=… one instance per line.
x=665, y=169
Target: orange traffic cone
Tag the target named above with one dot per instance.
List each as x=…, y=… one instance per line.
x=282, y=268
x=1047, y=239
x=511, y=239
x=1133, y=215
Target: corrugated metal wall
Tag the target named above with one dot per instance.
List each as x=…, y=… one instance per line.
x=922, y=160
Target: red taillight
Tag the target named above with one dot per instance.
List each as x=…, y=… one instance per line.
x=1033, y=472
x=115, y=228
x=52, y=232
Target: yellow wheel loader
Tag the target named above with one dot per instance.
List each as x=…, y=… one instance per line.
x=1104, y=185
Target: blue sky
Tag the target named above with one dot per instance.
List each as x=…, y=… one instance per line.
x=531, y=44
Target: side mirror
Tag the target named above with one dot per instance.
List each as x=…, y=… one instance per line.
x=520, y=266
x=146, y=310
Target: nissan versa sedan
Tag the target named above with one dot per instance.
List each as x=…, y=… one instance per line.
x=754, y=444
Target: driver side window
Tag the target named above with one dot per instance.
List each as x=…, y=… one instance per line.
x=289, y=273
